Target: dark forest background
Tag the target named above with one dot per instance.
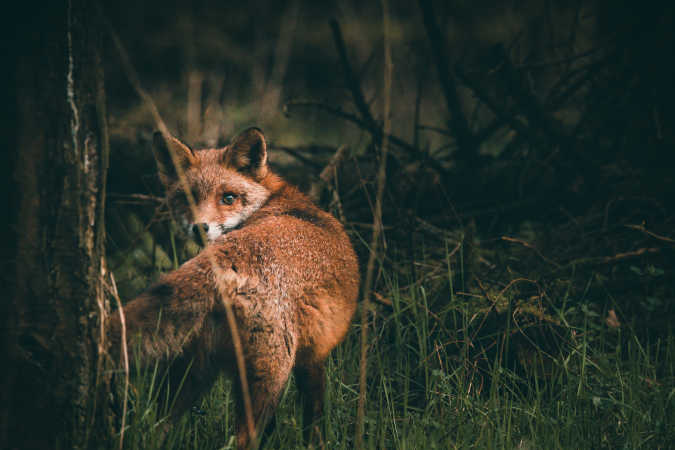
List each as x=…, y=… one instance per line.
x=528, y=211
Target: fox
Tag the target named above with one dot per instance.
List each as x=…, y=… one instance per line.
x=286, y=267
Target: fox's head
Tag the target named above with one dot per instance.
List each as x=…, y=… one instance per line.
x=213, y=191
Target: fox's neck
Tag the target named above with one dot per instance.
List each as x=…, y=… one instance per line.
x=284, y=198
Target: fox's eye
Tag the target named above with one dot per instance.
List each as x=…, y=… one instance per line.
x=228, y=199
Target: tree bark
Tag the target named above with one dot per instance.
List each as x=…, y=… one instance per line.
x=53, y=385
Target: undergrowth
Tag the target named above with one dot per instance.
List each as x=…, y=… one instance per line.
x=457, y=362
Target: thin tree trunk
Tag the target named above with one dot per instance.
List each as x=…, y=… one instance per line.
x=52, y=384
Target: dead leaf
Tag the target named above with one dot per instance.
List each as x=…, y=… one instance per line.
x=611, y=319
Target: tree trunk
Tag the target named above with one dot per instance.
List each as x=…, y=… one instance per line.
x=53, y=385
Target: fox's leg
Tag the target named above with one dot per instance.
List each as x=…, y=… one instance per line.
x=311, y=382
x=187, y=382
x=265, y=389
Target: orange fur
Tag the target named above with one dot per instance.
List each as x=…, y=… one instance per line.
x=287, y=268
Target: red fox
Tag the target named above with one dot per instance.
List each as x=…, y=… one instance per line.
x=287, y=268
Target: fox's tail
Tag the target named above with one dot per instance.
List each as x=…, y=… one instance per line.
x=153, y=333
x=170, y=315
x=167, y=317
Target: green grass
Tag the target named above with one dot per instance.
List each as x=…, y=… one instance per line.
x=452, y=371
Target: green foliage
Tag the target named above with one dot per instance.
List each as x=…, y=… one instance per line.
x=140, y=257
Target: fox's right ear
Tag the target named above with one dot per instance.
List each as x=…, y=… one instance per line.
x=248, y=153
x=171, y=153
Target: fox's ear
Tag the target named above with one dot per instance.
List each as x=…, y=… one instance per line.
x=169, y=153
x=248, y=153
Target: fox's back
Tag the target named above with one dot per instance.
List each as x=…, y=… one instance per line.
x=294, y=247
x=295, y=263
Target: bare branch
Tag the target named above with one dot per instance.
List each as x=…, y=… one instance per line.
x=375, y=130
x=351, y=80
x=457, y=123
x=297, y=155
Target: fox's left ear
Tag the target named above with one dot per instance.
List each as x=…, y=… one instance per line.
x=248, y=153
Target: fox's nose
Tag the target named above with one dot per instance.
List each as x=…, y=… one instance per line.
x=197, y=226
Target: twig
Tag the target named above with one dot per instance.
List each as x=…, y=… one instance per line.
x=377, y=225
x=303, y=149
x=558, y=96
x=486, y=132
x=530, y=105
x=297, y=155
x=642, y=228
x=368, y=226
x=493, y=305
x=103, y=308
x=383, y=300
x=631, y=254
x=431, y=227
x=501, y=113
x=327, y=178
x=494, y=300
x=609, y=259
x=528, y=245
x=328, y=173
x=557, y=62
x=438, y=130
x=454, y=250
x=125, y=355
x=136, y=198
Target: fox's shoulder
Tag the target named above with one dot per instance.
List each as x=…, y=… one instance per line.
x=288, y=207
